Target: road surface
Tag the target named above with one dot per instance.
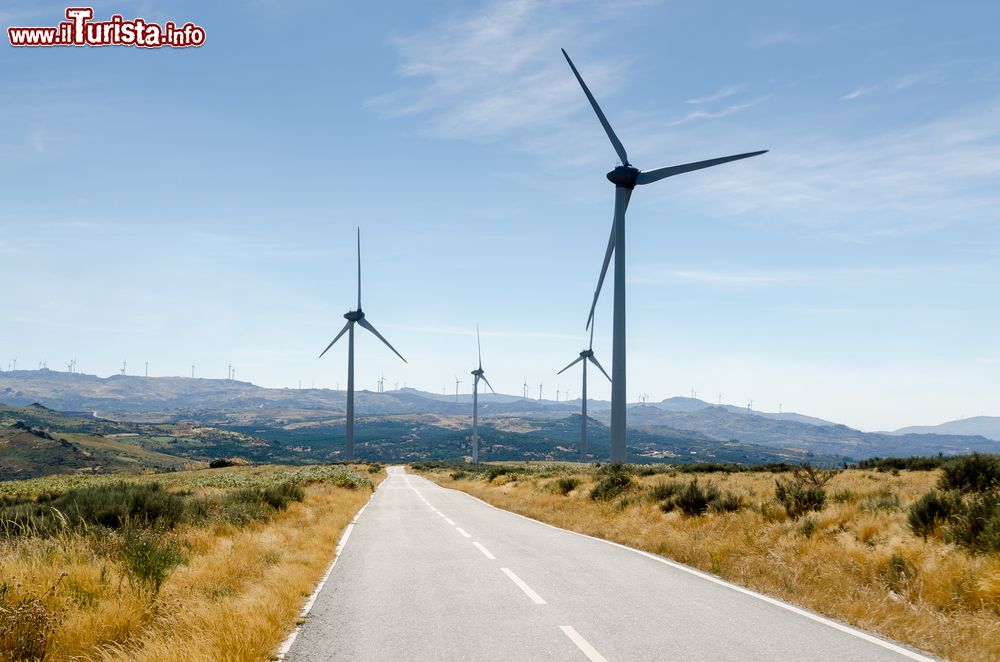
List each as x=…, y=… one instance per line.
x=434, y=574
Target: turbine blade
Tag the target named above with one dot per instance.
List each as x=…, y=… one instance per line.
x=359, y=269
x=650, y=176
x=480, y=348
x=366, y=324
x=570, y=366
x=593, y=359
x=488, y=384
x=342, y=332
x=622, y=196
x=619, y=148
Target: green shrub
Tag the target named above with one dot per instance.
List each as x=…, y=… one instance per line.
x=458, y=475
x=977, y=526
x=664, y=490
x=725, y=502
x=694, y=500
x=932, y=510
x=147, y=559
x=374, y=468
x=280, y=495
x=808, y=526
x=565, y=485
x=111, y=505
x=611, y=486
x=799, y=497
x=971, y=473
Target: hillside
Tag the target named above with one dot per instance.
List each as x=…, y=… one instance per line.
x=984, y=426
x=202, y=418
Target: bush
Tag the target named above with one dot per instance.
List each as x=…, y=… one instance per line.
x=611, y=486
x=977, y=526
x=111, y=505
x=725, y=502
x=932, y=510
x=663, y=490
x=565, y=485
x=458, y=475
x=693, y=500
x=147, y=559
x=374, y=468
x=799, y=497
x=971, y=473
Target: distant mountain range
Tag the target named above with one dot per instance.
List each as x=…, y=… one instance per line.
x=984, y=426
x=399, y=425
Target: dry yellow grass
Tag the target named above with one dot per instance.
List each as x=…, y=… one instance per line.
x=859, y=562
x=236, y=598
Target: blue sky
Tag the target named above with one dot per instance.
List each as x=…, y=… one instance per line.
x=198, y=206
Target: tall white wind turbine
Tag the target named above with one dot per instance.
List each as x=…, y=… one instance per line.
x=355, y=317
x=478, y=373
x=585, y=355
x=625, y=178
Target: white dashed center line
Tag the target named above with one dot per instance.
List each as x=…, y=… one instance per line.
x=582, y=644
x=485, y=551
x=462, y=531
x=449, y=521
x=537, y=599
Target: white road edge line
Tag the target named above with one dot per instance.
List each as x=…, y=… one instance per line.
x=286, y=645
x=446, y=519
x=463, y=532
x=860, y=634
x=485, y=551
x=582, y=644
x=537, y=599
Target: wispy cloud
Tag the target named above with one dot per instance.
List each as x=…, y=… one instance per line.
x=859, y=92
x=498, y=72
x=717, y=114
x=913, y=179
x=723, y=93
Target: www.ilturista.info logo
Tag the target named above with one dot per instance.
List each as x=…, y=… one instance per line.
x=81, y=30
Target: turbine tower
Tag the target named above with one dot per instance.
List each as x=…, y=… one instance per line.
x=457, y=382
x=626, y=177
x=585, y=355
x=355, y=317
x=478, y=373
x=525, y=391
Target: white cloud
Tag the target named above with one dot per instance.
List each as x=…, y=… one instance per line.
x=717, y=114
x=723, y=93
x=487, y=75
x=859, y=92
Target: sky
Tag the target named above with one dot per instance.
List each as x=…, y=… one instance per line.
x=199, y=206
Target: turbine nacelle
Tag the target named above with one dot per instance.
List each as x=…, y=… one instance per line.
x=478, y=372
x=354, y=315
x=625, y=176
x=586, y=354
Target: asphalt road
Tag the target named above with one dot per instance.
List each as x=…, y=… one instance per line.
x=434, y=574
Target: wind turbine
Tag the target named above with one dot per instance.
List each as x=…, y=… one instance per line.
x=478, y=373
x=626, y=177
x=525, y=397
x=457, y=382
x=355, y=317
x=585, y=355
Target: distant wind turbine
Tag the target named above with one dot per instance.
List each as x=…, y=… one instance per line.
x=355, y=317
x=585, y=355
x=478, y=373
x=525, y=396
x=457, y=382
x=625, y=178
